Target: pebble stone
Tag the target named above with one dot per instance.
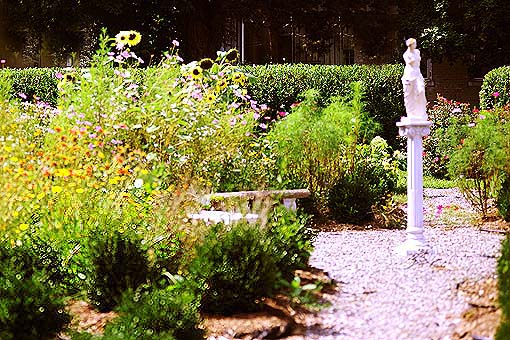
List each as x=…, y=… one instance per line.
x=384, y=296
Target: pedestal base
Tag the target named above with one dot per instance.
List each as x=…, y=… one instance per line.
x=411, y=247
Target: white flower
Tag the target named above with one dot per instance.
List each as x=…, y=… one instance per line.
x=138, y=183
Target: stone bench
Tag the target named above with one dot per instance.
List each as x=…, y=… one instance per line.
x=287, y=197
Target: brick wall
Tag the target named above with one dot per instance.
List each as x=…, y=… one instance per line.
x=453, y=82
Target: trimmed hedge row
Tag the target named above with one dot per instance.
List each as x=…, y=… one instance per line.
x=495, y=90
x=279, y=87
x=33, y=82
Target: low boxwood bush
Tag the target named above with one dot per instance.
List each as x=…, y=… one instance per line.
x=167, y=313
x=495, y=90
x=371, y=181
x=291, y=238
x=236, y=266
x=119, y=262
x=31, y=303
x=279, y=86
x=503, y=331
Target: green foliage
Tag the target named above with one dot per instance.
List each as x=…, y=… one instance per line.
x=237, y=266
x=167, y=313
x=495, y=90
x=482, y=157
x=279, y=86
x=503, y=331
x=33, y=83
x=438, y=145
x=503, y=201
x=371, y=181
x=291, y=239
x=119, y=262
x=31, y=304
x=316, y=145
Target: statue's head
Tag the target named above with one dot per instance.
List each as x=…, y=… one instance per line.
x=411, y=42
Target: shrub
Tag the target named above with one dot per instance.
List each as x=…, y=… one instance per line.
x=503, y=331
x=168, y=313
x=482, y=157
x=371, y=181
x=33, y=83
x=495, y=90
x=119, y=262
x=279, y=86
x=316, y=146
x=503, y=201
x=291, y=239
x=237, y=266
x=31, y=305
x=438, y=145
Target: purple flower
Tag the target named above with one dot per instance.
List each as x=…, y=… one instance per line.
x=22, y=95
x=263, y=126
x=91, y=146
x=256, y=116
x=59, y=75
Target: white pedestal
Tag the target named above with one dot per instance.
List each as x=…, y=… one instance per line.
x=414, y=130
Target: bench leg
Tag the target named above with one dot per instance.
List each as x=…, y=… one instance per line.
x=290, y=203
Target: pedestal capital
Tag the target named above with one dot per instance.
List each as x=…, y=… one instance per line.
x=413, y=128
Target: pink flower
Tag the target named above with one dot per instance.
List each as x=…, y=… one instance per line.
x=475, y=110
x=481, y=116
x=3, y=61
x=175, y=43
x=495, y=94
x=282, y=113
x=22, y=95
x=263, y=126
x=59, y=75
x=294, y=104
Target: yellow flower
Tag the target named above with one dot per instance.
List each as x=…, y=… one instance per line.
x=206, y=63
x=56, y=189
x=23, y=226
x=196, y=72
x=122, y=37
x=80, y=191
x=210, y=98
x=133, y=38
x=232, y=55
x=221, y=84
x=239, y=78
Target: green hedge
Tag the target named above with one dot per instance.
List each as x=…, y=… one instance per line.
x=38, y=82
x=503, y=332
x=495, y=90
x=279, y=87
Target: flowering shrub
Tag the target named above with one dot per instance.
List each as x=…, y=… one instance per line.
x=481, y=159
x=438, y=145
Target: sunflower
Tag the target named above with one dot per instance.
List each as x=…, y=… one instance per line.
x=221, y=84
x=134, y=38
x=239, y=78
x=210, y=98
x=69, y=78
x=206, y=63
x=122, y=37
x=232, y=55
x=196, y=72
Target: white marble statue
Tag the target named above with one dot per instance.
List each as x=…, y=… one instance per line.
x=414, y=85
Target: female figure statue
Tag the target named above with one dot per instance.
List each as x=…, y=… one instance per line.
x=414, y=85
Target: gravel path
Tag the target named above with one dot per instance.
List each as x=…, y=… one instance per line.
x=388, y=297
